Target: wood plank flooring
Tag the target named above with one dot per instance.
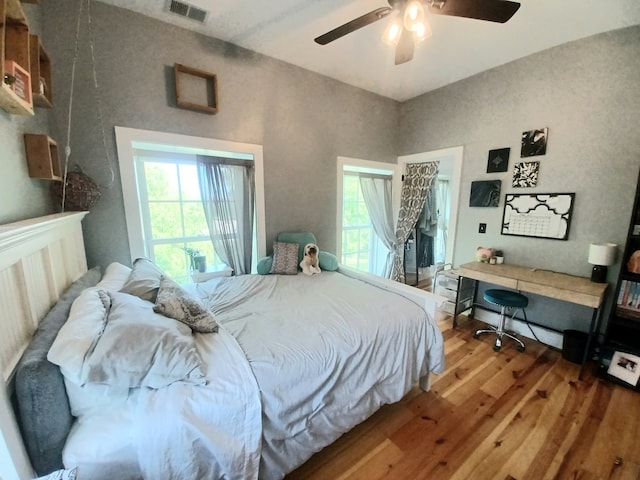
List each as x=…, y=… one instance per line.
x=494, y=416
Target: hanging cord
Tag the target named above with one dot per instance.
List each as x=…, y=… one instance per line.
x=99, y=98
x=67, y=149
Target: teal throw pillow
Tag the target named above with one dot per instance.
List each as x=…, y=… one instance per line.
x=328, y=261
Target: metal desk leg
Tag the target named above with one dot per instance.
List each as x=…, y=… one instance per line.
x=595, y=322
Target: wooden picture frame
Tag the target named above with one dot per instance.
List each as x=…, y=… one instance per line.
x=196, y=89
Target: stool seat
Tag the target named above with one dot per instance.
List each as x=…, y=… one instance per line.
x=506, y=298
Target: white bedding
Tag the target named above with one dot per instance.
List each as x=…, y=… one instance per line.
x=298, y=361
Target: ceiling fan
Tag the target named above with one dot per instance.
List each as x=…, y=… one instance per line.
x=409, y=26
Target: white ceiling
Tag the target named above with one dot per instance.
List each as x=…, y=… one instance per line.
x=459, y=47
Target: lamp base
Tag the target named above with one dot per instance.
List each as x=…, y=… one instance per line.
x=599, y=274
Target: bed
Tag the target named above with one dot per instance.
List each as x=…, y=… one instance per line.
x=277, y=366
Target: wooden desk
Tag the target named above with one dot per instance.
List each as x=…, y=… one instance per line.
x=560, y=286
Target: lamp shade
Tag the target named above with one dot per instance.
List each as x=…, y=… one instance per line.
x=602, y=253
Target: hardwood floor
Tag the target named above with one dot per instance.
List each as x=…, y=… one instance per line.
x=497, y=416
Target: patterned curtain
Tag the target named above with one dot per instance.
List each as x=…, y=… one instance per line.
x=415, y=186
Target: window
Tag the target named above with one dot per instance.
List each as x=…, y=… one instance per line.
x=171, y=211
x=360, y=247
x=162, y=198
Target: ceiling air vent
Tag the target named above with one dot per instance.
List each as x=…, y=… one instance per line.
x=189, y=11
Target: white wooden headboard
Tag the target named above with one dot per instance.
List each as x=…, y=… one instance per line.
x=39, y=259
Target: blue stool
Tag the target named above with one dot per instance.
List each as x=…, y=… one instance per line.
x=505, y=299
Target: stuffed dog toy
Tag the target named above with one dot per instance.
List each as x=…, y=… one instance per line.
x=309, y=263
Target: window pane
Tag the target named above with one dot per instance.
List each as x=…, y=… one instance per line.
x=195, y=223
x=365, y=239
x=171, y=258
x=351, y=242
x=162, y=181
x=189, y=187
x=166, y=219
x=350, y=260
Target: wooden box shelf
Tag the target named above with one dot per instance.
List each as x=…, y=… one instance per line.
x=14, y=47
x=42, y=157
x=40, y=73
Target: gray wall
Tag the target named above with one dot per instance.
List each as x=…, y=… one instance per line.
x=586, y=93
x=303, y=120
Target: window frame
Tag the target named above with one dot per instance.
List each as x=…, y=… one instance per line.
x=130, y=139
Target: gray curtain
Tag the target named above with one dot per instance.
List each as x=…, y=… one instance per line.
x=415, y=186
x=227, y=188
x=376, y=192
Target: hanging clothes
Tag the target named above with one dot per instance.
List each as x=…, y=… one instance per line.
x=427, y=227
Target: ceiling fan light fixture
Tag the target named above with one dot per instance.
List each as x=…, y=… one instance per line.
x=392, y=33
x=422, y=32
x=413, y=15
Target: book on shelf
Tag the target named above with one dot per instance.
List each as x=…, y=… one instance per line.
x=629, y=295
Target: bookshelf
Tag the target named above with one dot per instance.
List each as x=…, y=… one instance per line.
x=620, y=353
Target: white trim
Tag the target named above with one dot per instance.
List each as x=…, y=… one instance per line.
x=453, y=156
x=368, y=166
x=125, y=138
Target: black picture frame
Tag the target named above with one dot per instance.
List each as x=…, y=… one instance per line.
x=525, y=174
x=498, y=160
x=485, y=193
x=539, y=215
x=534, y=142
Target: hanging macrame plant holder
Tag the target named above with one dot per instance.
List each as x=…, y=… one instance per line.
x=77, y=191
x=80, y=194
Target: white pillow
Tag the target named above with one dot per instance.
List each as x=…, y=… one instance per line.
x=114, y=277
x=90, y=400
x=141, y=348
x=86, y=321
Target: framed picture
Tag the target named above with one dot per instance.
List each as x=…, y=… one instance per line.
x=485, y=193
x=540, y=215
x=626, y=367
x=534, y=142
x=525, y=174
x=498, y=160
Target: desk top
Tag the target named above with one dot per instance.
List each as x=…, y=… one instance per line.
x=561, y=286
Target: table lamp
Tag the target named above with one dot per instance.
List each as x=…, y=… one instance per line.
x=601, y=255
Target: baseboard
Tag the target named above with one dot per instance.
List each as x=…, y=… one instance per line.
x=544, y=335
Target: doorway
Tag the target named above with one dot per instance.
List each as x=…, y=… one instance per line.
x=417, y=273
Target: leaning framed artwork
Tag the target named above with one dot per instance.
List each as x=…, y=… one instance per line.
x=540, y=215
x=626, y=367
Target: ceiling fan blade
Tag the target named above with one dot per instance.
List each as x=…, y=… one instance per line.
x=498, y=11
x=353, y=25
x=405, y=47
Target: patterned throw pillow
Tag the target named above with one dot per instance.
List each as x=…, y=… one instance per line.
x=285, y=258
x=173, y=301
